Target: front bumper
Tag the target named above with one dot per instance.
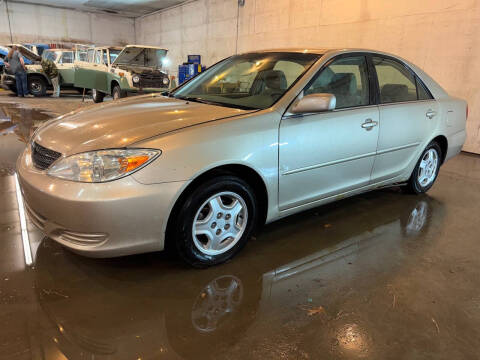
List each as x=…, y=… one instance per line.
x=110, y=219
x=6, y=81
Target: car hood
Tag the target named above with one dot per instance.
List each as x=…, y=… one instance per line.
x=146, y=56
x=122, y=123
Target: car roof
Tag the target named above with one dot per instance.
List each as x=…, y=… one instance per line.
x=322, y=51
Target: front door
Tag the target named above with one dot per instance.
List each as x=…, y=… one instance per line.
x=65, y=68
x=407, y=115
x=329, y=153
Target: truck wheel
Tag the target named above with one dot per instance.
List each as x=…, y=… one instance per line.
x=118, y=93
x=37, y=86
x=97, y=96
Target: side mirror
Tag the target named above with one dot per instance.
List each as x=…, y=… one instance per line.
x=314, y=103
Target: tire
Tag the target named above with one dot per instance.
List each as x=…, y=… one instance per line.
x=118, y=93
x=37, y=86
x=211, y=208
x=426, y=171
x=97, y=96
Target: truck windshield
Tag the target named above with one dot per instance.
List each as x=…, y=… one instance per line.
x=249, y=81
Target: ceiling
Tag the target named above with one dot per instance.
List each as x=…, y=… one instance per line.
x=130, y=8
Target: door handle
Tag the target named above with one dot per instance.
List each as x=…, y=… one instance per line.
x=430, y=114
x=369, y=124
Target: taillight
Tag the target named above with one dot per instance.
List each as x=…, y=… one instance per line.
x=466, y=115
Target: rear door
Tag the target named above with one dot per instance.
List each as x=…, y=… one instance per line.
x=407, y=117
x=92, y=74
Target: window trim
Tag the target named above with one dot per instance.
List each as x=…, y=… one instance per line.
x=418, y=80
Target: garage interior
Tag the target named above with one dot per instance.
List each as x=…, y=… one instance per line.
x=381, y=275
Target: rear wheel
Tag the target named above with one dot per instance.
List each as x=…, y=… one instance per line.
x=97, y=96
x=215, y=221
x=37, y=86
x=426, y=170
x=118, y=93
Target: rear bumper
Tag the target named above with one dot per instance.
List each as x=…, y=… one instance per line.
x=110, y=219
x=455, y=144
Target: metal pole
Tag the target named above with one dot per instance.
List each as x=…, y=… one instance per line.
x=8, y=18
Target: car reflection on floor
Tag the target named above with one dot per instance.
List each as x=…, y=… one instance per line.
x=150, y=305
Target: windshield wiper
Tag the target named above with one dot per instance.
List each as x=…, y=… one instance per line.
x=211, y=102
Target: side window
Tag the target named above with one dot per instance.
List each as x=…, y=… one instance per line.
x=422, y=93
x=98, y=57
x=347, y=79
x=396, y=83
x=105, y=57
x=67, y=58
x=90, y=55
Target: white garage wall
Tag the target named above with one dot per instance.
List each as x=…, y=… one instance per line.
x=441, y=36
x=38, y=23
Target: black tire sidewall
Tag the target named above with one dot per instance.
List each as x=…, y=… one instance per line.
x=415, y=186
x=43, y=83
x=188, y=210
x=116, y=90
x=97, y=96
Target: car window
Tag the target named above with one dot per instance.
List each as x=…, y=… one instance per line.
x=105, y=57
x=422, y=92
x=396, y=83
x=98, y=57
x=254, y=81
x=91, y=53
x=113, y=55
x=50, y=55
x=347, y=79
x=67, y=58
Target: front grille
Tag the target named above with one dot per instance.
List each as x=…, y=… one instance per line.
x=42, y=157
x=152, y=80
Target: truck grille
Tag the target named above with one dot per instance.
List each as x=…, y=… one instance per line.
x=42, y=157
x=152, y=80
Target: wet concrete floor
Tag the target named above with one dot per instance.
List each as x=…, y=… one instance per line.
x=378, y=276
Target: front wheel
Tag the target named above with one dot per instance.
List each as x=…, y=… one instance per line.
x=426, y=170
x=118, y=93
x=37, y=86
x=97, y=96
x=215, y=221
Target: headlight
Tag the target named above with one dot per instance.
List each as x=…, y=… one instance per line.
x=102, y=165
x=165, y=81
x=136, y=78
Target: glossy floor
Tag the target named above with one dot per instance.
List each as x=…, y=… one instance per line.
x=378, y=276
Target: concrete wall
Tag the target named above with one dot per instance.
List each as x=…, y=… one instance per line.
x=441, y=36
x=38, y=23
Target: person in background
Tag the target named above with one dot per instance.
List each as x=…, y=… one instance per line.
x=50, y=69
x=15, y=64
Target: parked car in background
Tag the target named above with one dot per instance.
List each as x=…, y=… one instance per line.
x=256, y=137
x=38, y=82
x=120, y=71
x=3, y=55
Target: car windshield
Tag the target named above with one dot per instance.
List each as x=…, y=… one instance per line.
x=113, y=55
x=50, y=55
x=249, y=81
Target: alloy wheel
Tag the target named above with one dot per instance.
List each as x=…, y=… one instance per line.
x=428, y=168
x=219, y=223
